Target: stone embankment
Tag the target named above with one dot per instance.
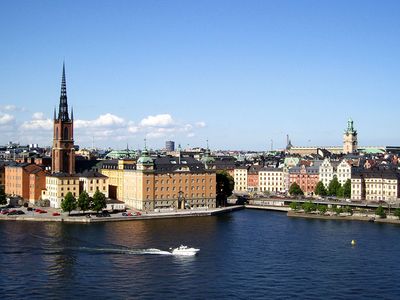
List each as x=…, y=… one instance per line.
x=118, y=217
x=345, y=217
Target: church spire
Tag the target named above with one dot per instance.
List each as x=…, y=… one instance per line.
x=63, y=108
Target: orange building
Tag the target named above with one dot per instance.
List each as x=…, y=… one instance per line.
x=252, y=178
x=19, y=181
x=306, y=177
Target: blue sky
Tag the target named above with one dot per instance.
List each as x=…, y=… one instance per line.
x=238, y=73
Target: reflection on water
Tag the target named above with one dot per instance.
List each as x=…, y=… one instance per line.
x=247, y=254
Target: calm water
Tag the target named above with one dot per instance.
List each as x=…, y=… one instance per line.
x=244, y=255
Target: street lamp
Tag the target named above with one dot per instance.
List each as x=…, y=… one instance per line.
x=180, y=193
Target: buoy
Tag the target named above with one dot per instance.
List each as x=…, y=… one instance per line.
x=353, y=242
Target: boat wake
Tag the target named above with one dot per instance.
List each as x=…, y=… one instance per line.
x=127, y=251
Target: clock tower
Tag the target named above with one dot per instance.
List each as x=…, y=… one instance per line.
x=350, y=144
x=63, y=152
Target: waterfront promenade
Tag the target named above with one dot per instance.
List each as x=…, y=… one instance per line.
x=118, y=217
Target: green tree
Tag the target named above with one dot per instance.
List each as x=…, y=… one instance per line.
x=322, y=208
x=84, y=201
x=380, y=212
x=309, y=207
x=3, y=198
x=294, y=206
x=347, y=189
x=320, y=189
x=295, y=190
x=224, y=188
x=397, y=212
x=99, y=201
x=69, y=203
x=340, y=192
x=333, y=187
x=349, y=210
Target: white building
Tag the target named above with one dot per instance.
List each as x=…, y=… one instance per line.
x=240, y=177
x=327, y=171
x=271, y=180
x=343, y=171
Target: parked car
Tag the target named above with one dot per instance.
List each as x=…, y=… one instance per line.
x=16, y=212
x=103, y=214
x=127, y=214
x=4, y=211
x=55, y=214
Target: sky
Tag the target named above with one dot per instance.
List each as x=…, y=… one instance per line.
x=240, y=74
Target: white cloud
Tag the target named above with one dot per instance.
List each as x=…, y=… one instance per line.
x=38, y=116
x=11, y=107
x=38, y=122
x=200, y=124
x=6, y=119
x=162, y=120
x=107, y=120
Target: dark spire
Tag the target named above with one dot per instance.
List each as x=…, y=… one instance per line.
x=72, y=113
x=63, y=108
x=54, y=113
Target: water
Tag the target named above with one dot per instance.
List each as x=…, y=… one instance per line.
x=244, y=255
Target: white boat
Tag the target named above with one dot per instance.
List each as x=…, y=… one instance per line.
x=184, y=250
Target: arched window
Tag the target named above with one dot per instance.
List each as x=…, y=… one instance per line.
x=65, y=137
x=57, y=133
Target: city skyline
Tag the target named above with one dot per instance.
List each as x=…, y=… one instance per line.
x=239, y=75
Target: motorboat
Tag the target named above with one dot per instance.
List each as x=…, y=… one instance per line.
x=184, y=250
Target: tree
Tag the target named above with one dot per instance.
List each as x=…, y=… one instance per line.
x=225, y=186
x=309, y=207
x=333, y=187
x=322, y=208
x=380, y=212
x=397, y=212
x=84, y=201
x=294, y=206
x=349, y=210
x=3, y=198
x=69, y=203
x=320, y=189
x=347, y=189
x=340, y=192
x=295, y=190
x=99, y=201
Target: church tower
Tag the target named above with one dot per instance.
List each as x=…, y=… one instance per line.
x=350, y=144
x=63, y=152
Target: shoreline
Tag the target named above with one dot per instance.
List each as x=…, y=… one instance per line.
x=373, y=219
x=148, y=216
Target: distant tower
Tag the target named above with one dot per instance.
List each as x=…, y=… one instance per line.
x=63, y=152
x=170, y=146
x=350, y=144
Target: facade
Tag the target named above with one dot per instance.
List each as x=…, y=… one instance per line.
x=170, y=146
x=37, y=183
x=169, y=183
x=343, y=171
x=18, y=181
x=350, y=143
x=114, y=170
x=376, y=185
x=327, y=171
x=63, y=152
x=58, y=185
x=240, y=178
x=93, y=181
x=252, y=178
x=306, y=177
x=271, y=180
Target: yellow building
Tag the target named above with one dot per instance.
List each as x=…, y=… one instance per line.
x=163, y=182
x=114, y=170
x=91, y=181
x=58, y=185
